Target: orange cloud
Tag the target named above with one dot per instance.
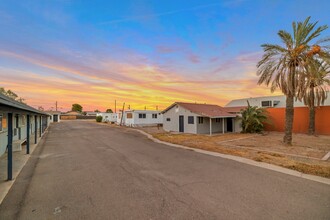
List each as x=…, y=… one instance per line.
x=138, y=85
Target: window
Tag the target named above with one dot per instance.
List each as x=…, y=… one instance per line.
x=23, y=120
x=190, y=119
x=168, y=119
x=142, y=115
x=266, y=103
x=154, y=115
x=130, y=115
x=217, y=120
x=50, y=117
x=17, y=121
x=0, y=122
x=200, y=120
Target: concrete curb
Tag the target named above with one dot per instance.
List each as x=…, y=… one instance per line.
x=6, y=186
x=243, y=160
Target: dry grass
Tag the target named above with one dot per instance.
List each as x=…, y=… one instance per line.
x=303, y=156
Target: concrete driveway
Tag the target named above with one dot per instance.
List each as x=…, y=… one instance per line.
x=84, y=170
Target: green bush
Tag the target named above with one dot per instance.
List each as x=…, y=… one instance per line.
x=98, y=118
x=253, y=119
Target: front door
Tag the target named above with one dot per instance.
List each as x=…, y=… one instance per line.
x=229, y=125
x=55, y=118
x=181, y=123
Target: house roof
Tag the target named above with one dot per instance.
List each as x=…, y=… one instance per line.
x=235, y=109
x=9, y=102
x=72, y=113
x=207, y=110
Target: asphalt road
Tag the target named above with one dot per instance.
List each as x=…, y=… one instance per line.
x=84, y=170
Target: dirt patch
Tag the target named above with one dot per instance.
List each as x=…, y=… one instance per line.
x=304, y=155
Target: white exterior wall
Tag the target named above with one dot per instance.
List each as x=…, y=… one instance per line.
x=173, y=125
x=257, y=101
x=108, y=117
x=148, y=121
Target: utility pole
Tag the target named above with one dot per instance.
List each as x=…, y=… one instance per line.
x=115, y=106
x=145, y=107
x=122, y=115
x=129, y=106
x=157, y=107
x=56, y=105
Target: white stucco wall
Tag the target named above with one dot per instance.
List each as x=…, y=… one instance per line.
x=256, y=101
x=148, y=121
x=173, y=125
x=108, y=117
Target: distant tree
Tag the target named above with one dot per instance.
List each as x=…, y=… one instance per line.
x=109, y=110
x=40, y=108
x=253, y=119
x=96, y=110
x=11, y=94
x=77, y=108
x=84, y=113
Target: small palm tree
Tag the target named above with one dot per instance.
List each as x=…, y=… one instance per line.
x=253, y=119
x=316, y=92
x=283, y=66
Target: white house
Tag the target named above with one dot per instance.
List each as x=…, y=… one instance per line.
x=54, y=116
x=140, y=118
x=199, y=119
x=108, y=117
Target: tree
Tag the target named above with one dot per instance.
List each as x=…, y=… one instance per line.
x=11, y=94
x=96, y=110
x=40, y=108
x=77, y=108
x=109, y=110
x=316, y=92
x=283, y=66
x=253, y=119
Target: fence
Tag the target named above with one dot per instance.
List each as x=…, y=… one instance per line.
x=301, y=120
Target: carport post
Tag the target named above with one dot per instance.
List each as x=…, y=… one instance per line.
x=28, y=134
x=35, y=129
x=40, y=123
x=223, y=125
x=10, y=147
x=210, y=126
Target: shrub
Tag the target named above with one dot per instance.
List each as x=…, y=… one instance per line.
x=98, y=118
x=253, y=119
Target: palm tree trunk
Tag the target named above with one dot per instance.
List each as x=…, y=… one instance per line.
x=289, y=113
x=311, y=127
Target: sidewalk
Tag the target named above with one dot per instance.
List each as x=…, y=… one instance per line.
x=19, y=160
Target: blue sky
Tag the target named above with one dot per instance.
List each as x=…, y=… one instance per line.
x=145, y=53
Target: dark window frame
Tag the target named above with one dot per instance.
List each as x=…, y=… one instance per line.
x=200, y=120
x=191, y=120
x=154, y=115
x=142, y=115
x=168, y=119
x=269, y=103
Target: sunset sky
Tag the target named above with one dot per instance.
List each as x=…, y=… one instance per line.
x=143, y=53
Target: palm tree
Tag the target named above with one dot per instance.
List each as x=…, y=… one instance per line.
x=283, y=66
x=253, y=119
x=316, y=92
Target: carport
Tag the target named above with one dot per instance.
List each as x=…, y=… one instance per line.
x=18, y=123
